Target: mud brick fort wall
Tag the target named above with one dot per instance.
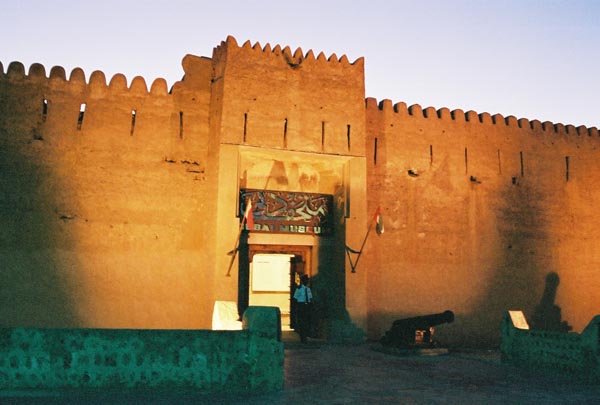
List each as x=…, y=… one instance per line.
x=102, y=214
x=120, y=215
x=490, y=207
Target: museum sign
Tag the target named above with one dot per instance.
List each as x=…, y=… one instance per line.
x=288, y=211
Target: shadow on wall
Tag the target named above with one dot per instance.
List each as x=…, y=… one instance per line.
x=328, y=289
x=516, y=282
x=329, y=286
x=34, y=289
x=547, y=315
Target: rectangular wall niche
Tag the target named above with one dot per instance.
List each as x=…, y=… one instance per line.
x=288, y=211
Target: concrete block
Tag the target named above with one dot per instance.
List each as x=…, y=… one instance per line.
x=263, y=321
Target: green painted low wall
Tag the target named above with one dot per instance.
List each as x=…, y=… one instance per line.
x=569, y=354
x=203, y=360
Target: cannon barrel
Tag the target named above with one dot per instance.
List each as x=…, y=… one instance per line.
x=403, y=331
x=425, y=321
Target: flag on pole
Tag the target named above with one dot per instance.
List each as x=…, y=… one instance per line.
x=249, y=221
x=248, y=216
x=378, y=218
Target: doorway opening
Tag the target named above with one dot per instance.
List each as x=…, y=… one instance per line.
x=272, y=274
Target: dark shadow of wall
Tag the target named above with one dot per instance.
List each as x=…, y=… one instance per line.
x=329, y=285
x=33, y=283
x=522, y=255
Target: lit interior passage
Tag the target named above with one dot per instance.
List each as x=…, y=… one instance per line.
x=270, y=282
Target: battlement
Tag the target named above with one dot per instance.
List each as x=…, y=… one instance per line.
x=55, y=107
x=295, y=59
x=15, y=73
x=415, y=111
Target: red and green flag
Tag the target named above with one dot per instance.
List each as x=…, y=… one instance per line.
x=248, y=215
x=378, y=218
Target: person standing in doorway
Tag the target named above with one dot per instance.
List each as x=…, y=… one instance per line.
x=303, y=297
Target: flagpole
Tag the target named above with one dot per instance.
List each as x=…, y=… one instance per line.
x=235, y=248
x=239, y=234
x=361, y=247
x=375, y=218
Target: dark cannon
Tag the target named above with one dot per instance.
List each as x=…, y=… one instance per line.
x=415, y=331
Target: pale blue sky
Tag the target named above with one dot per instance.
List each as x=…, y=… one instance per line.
x=537, y=59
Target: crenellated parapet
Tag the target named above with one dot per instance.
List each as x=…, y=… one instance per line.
x=416, y=112
x=275, y=97
x=285, y=55
x=56, y=106
x=492, y=148
x=15, y=73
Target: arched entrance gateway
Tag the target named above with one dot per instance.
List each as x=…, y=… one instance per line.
x=278, y=247
x=305, y=209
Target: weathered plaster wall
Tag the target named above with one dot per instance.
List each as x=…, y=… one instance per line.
x=102, y=225
x=486, y=213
